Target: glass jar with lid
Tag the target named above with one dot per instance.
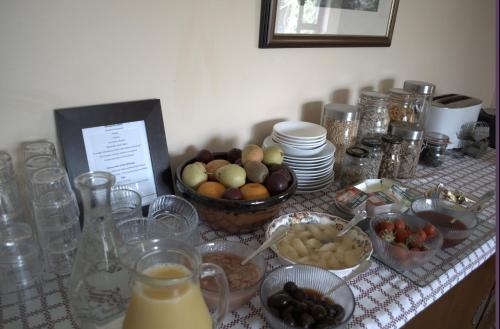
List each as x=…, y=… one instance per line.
x=373, y=114
x=341, y=123
x=411, y=146
x=423, y=92
x=401, y=106
x=374, y=147
x=391, y=149
x=434, y=148
x=354, y=166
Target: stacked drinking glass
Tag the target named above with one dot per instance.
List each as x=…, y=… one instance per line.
x=54, y=206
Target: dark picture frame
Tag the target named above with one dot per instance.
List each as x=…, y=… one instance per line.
x=269, y=38
x=71, y=121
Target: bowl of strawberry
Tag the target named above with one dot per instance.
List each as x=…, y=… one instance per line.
x=404, y=241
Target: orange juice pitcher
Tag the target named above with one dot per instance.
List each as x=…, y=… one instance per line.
x=166, y=287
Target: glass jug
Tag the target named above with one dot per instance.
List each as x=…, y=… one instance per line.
x=166, y=291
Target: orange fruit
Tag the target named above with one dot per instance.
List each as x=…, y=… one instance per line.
x=211, y=189
x=254, y=191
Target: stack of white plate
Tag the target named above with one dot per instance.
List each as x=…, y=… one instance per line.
x=307, y=152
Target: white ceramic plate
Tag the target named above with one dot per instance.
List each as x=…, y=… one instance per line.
x=290, y=151
x=299, y=129
x=327, y=152
x=321, y=162
x=303, y=180
x=304, y=217
x=298, y=139
x=298, y=144
x=310, y=166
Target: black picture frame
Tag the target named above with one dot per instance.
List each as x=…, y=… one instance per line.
x=71, y=121
x=269, y=39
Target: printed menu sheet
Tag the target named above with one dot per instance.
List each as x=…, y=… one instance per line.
x=123, y=150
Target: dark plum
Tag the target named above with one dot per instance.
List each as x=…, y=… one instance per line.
x=282, y=170
x=232, y=194
x=205, y=156
x=233, y=155
x=276, y=183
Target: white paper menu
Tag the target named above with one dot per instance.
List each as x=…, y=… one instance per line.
x=123, y=150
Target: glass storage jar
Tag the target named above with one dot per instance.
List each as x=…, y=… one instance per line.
x=423, y=92
x=373, y=114
x=411, y=146
x=374, y=147
x=354, y=166
x=434, y=148
x=341, y=123
x=391, y=149
x=401, y=106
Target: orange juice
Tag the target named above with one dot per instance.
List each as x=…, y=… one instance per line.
x=177, y=306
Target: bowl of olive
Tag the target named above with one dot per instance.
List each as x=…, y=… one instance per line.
x=300, y=296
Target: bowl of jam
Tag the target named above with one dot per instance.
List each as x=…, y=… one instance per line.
x=455, y=225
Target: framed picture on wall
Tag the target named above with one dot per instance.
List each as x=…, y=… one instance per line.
x=126, y=139
x=327, y=23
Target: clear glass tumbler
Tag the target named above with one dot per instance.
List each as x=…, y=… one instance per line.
x=125, y=204
x=179, y=215
x=40, y=147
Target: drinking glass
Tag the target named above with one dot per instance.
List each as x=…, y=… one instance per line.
x=57, y=218
x=178, y=215
x=125, y=204
x=135, y=230
x=20, y=263
x=166, y=290
x=40, y=147
x=10, y=200
x=51, y=185
x=38, y=162
x=6, y=167
x=58, y=228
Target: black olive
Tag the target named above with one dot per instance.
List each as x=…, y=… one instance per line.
x=318, y=312
x=306, y=320
x=290, y=287
x=339, y=312
x=287, y=316
x=300, y=307
x=326, y=323
x=279, y=300
x=275, y=311
x=299, y=295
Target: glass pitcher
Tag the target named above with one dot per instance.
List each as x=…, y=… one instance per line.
x=166, y=289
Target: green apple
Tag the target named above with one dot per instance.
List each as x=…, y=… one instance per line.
x=273, y=155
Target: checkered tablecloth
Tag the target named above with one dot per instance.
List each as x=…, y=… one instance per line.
x=384, y=298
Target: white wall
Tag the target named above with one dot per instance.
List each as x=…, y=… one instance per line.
x=200, y=57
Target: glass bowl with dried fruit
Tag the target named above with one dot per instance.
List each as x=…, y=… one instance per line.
x=404, y=241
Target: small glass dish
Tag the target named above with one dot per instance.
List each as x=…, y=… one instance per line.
x=399, y=257
x=455, y=224
x=249, y=281
x=306, y=277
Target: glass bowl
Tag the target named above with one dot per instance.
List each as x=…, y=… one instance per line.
x=309, y=277
x=440, y=213
x=396, y=256
x=237, y=296
x=234, y=216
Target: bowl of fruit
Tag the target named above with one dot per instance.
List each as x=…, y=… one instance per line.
x=404, y=241
x=237, y=191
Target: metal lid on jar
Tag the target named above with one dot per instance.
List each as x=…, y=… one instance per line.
x=374, y=95
x=357, y=152
x=419, y=87
x=391, y=139
x=406, y=130
x=400, y=94
x=371, y=141
x=436, y=138
x=343, y=112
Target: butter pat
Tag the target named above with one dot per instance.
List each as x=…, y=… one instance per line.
x=351, y=200
x=379, y=202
